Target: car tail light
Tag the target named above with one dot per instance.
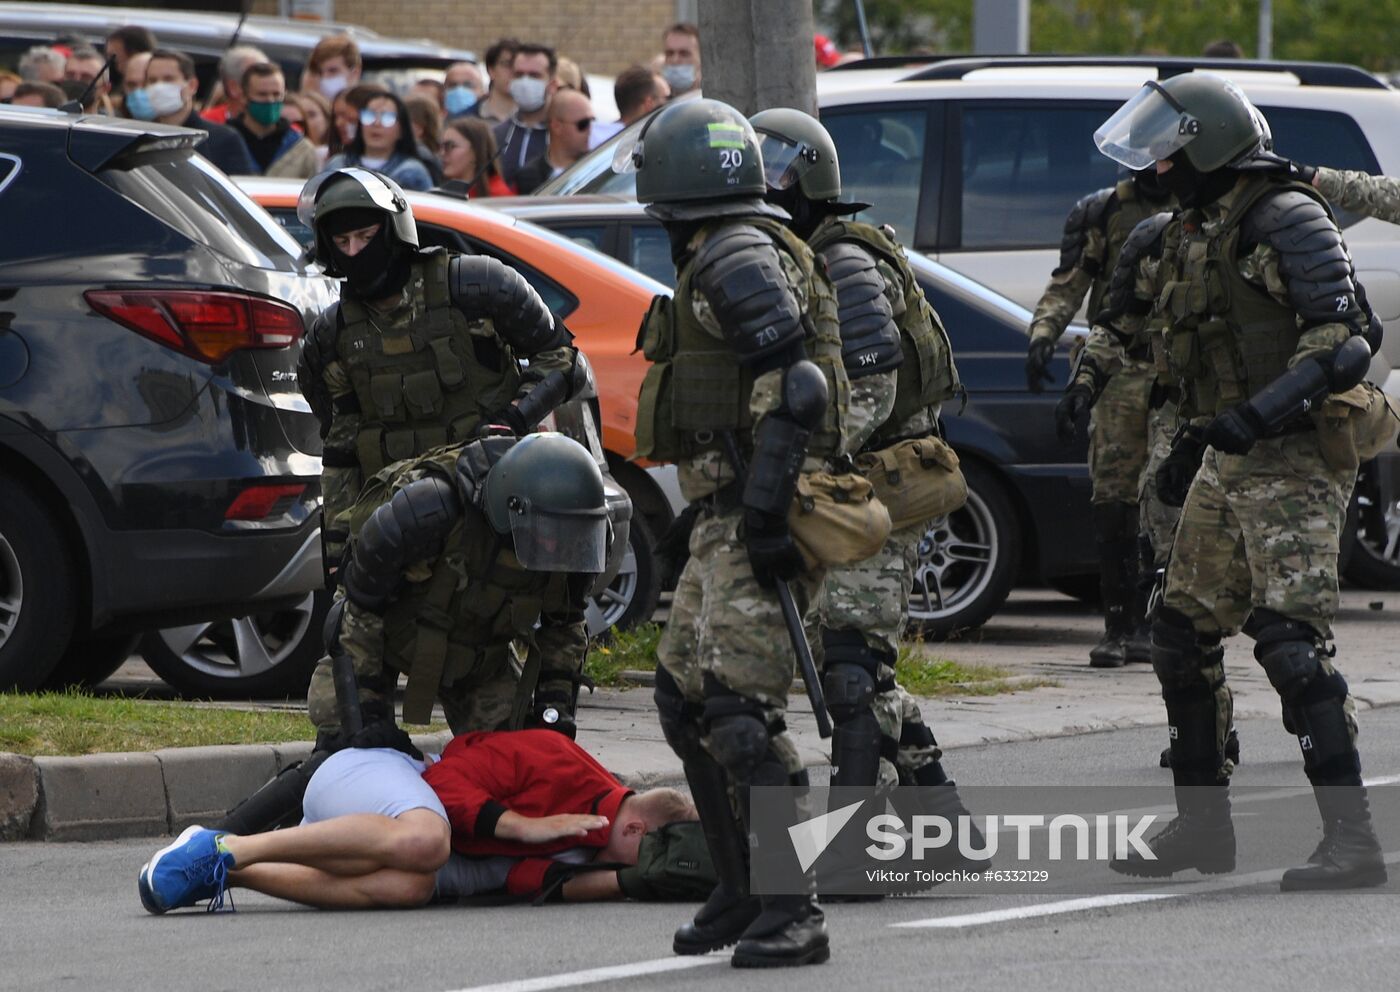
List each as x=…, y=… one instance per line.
x=256, y=502
x=206, y=325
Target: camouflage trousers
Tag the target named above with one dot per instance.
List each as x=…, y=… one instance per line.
x=1158, y=520
x=483, y=700
x=873, y=597
x=1118, y=434
x=726, y=626
x=1260, y=530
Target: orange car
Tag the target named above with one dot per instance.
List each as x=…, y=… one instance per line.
x=601, y=300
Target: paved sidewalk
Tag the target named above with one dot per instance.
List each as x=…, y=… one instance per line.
x=1040, y=634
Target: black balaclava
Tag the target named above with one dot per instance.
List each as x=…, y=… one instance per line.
x=806, y=215
x=1193, y=188
x=380, y=268
x=1149, y=185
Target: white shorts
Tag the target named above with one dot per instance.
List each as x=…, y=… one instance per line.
x=368, y=780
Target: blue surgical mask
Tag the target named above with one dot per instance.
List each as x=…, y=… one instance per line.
x=138, y=105
x=459, y=100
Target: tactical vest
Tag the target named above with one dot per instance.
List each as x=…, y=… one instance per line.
x=928, y=374
x=419, y=381
x=1226, y=338
x=696, y=385
x=1131, y=210
x=478, y=598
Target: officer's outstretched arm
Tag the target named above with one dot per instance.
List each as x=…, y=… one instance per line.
x=410, y=527
x=1358, y=192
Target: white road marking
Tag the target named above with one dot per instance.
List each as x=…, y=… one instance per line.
x=592, y=976
x=1098, y=902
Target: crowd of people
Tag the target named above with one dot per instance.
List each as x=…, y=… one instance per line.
x=504, y=126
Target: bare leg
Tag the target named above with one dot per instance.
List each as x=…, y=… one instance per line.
x=386, y=887
x=417, y=841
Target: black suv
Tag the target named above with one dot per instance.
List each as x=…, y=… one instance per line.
x=157, y=464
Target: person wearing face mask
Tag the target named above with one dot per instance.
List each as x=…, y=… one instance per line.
x=681, y=59
x=171, y=84
x=136, y=102
x=333, y=66
x=384, y=144
x=461, y=89
x=277, y=148
x=526, y=135
x=232, y=65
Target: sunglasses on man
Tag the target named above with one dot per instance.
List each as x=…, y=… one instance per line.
x=384, y=118
x=584, y=124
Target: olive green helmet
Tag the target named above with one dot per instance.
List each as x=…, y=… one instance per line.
x=695, y=150
x=355, y=189
x=1205, y=117
x=797, y=149
x=546, y=492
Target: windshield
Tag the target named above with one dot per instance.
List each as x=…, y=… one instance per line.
x=186, y=192
x=598, y=258
x=594, y=172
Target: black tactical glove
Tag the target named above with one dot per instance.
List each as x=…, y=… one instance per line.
x=772, y=551
x=1073, y=405
x=1177, y=470
x=509, y=417
x=377, y=733
x=1234, y=431
x=1302, y=173
x=1038, y=364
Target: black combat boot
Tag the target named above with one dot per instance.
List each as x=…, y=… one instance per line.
x=944, y=801
x=1115, y=534
x=1200, y=836
x=790, y=931
x=1349, y=855
x=720, y=922
x=730, y=909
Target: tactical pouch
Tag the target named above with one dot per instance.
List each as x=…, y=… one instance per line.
x=836, y=519
x=917, y=480
x=422, y=394
x=1356, y=425
x=386, y=390
x=656, y=428
x=450, y=370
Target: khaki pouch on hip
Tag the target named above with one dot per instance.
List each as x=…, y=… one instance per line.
x=1356, y=425
x=836, y=519
x=917, y=480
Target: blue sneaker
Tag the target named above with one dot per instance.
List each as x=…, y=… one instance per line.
x=191, y=869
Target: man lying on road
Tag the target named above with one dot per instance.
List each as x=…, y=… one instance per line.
x=518, y=808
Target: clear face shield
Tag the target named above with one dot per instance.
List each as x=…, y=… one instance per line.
x=559, y=540
x=784, y=161
x=627, y=156
x=374, y=187
x=1149, y=127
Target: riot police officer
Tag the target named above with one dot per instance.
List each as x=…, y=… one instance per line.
x=424, y=349
x=1262, y=325
x=900, y=366
x=746, y=361
x=1119, y=430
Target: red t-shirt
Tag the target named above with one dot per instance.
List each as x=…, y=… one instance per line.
x=531, y=772
x=216, y=115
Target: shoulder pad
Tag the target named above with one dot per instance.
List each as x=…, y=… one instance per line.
x=738, y=270
x=1313, y=263
x=1144, y=241
x=319, y=349
x=475, y=461
x=1086, y=214
x=483, y=287
x=869, y=335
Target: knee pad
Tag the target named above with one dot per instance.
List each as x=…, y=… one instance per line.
x=1176, y=649
x=1287, y=650
x=852, y=671
x=1324, y=737
x=738, y=733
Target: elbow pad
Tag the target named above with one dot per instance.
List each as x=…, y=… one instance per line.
x=738, y=271
x=1313, y=261
x=1298, y=390
x=869, y=335
x=780, y=443
x=485, y=287
x=412, y=526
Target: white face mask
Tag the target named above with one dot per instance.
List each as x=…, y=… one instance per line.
x=166, y=98
x=332, y=86
x=528, y=93
x=680, y=77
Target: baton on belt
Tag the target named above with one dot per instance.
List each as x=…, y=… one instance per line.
x=791, y=618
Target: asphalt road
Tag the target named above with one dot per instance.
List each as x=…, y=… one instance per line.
x=70, y=918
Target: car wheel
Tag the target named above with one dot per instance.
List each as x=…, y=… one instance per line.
x=632, y=596
x=91, y=660
x=1373, y=553
x=268, y=655
x=37, y=590
x=967, y=560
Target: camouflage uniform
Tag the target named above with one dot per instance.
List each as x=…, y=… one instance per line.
x=492, y=619
x=1361, y=193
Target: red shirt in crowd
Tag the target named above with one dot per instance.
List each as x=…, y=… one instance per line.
x=530, y=772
